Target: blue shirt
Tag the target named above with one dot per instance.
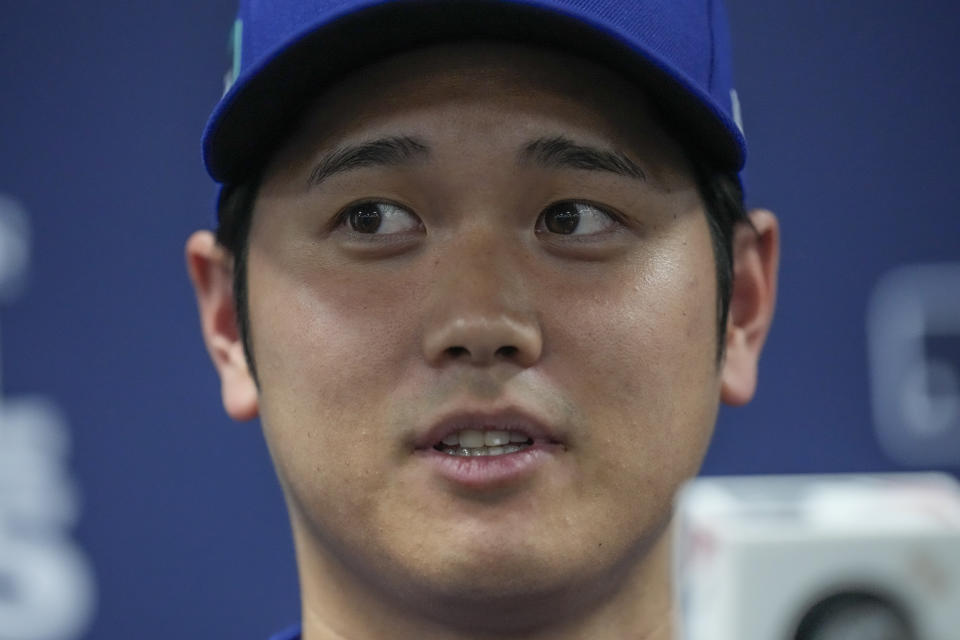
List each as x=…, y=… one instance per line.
x=290, y=633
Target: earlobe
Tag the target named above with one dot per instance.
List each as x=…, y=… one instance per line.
x=210, y=269
x=756, y=257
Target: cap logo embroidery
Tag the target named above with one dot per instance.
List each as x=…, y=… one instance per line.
x=234, y=47
x=735, y=105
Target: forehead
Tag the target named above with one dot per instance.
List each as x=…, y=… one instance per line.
x=513, y=86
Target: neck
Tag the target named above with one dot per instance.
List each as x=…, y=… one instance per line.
x=337, y=604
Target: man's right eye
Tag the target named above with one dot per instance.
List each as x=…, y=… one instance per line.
x=379, y=218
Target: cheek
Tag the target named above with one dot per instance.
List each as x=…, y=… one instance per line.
x=327, y=354
x=317, y=330
x=641, y=363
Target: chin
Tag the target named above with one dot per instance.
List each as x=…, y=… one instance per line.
x=507, y=593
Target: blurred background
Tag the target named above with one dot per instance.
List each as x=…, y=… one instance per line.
x=131, y=507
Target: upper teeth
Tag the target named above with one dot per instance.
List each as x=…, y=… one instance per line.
x=471, y=438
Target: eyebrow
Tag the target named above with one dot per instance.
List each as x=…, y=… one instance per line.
x=561, y=152
x=557, y=152
x=375, y=153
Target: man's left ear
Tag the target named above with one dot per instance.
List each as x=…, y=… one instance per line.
x=756, y=258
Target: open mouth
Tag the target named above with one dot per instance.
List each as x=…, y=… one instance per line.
x=482, y=451
x=477, y=442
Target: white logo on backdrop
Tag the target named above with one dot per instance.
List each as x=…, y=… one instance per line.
x=47, y=589
x=915, y=380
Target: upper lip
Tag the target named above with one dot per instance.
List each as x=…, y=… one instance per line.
x=507, y=419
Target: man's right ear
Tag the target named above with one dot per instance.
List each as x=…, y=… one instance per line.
x=211, y=270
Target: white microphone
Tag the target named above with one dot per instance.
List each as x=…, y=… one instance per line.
x=835, y=557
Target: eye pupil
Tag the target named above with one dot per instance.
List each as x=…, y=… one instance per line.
x=365, y=218
x=562, y=218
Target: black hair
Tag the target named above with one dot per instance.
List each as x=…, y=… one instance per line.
x=721, y=192
x=234, y=216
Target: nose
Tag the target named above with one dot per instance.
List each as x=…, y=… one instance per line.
x=484, y=340
x=481, y=314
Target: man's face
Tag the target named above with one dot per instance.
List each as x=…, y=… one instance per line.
x=482, y=271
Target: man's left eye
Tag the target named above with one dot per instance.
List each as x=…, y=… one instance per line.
x=572, y=218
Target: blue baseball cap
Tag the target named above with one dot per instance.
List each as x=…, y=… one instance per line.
x=286, y=51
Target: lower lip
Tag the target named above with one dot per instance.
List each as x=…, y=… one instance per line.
x=487, y=472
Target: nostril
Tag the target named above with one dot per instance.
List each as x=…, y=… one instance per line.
x=456, y=352
x=507, y=352
x=483, y=339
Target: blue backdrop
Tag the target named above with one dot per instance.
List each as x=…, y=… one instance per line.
x=130, y=507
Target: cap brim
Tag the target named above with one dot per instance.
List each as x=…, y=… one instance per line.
x=268, y=97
